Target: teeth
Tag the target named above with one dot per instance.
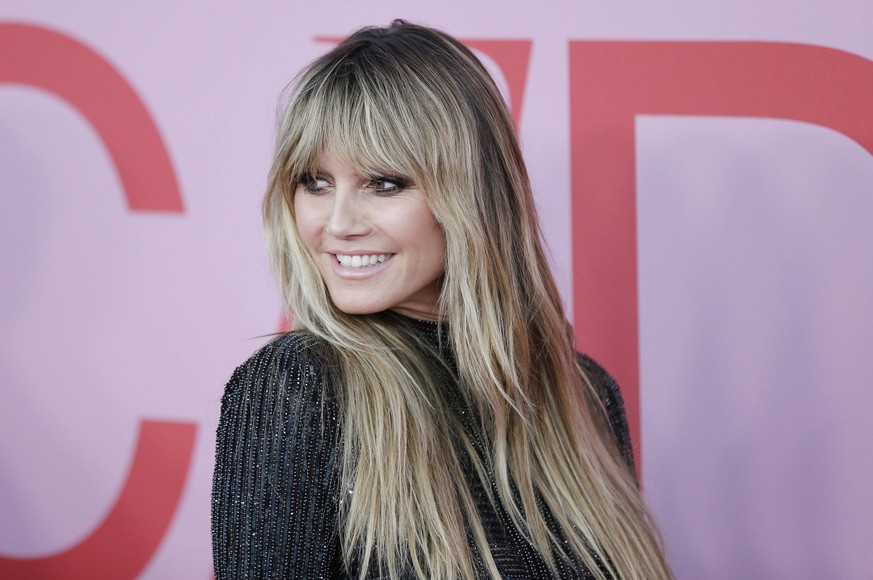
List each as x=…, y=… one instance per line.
x=359, y=261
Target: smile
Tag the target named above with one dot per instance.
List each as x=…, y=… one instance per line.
x=361, y=261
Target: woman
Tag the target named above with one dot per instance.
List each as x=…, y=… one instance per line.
x=428, y=416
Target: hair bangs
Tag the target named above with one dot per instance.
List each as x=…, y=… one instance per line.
x=367, y=119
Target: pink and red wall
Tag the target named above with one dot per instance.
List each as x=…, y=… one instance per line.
x=704, y=173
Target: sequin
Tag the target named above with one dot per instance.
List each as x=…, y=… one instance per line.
x=276, y=489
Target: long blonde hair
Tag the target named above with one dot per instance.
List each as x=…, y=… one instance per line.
x=414, y=100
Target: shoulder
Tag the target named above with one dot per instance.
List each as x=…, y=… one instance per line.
x=277, y=461
x=278, y=405
x=289, y=365
x=283, y=352
x=611, y=403
x=602, y=381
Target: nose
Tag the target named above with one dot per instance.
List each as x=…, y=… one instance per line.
x=348, y=217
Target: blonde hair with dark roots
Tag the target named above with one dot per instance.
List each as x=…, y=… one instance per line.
x=413, y=100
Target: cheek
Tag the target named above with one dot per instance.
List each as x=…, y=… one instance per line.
x=432, y=246
x=307, y=224
x=439, y=255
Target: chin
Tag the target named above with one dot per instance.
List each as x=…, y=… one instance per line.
x=358, y=308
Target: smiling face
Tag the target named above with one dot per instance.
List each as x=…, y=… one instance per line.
x=373, y=239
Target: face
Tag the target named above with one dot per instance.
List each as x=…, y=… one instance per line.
x=373, y=238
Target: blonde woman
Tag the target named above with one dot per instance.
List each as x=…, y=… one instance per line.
x=428, y=416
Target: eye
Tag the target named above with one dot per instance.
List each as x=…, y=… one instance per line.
x=388, y=185
x=315, y=185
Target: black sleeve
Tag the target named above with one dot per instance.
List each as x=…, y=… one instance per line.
x=613, y=405
x=275, y=485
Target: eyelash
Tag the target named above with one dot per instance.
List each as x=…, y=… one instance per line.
x=399, y=184
x=308, y=184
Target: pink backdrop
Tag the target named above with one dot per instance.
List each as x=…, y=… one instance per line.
x=706, y=201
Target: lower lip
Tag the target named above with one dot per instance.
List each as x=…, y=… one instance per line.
x=361, y=273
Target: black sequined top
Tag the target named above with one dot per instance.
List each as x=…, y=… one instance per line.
x=275, y=494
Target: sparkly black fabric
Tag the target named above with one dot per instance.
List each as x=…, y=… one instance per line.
x=275, y=494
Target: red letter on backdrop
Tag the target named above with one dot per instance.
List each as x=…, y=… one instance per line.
x=125, y=541
x=122, y=545
x=513, y=58
x=42, y=58
x=611, y=83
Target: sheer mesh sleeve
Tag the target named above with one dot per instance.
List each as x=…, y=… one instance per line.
x=610, y=396
x=274, y=494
